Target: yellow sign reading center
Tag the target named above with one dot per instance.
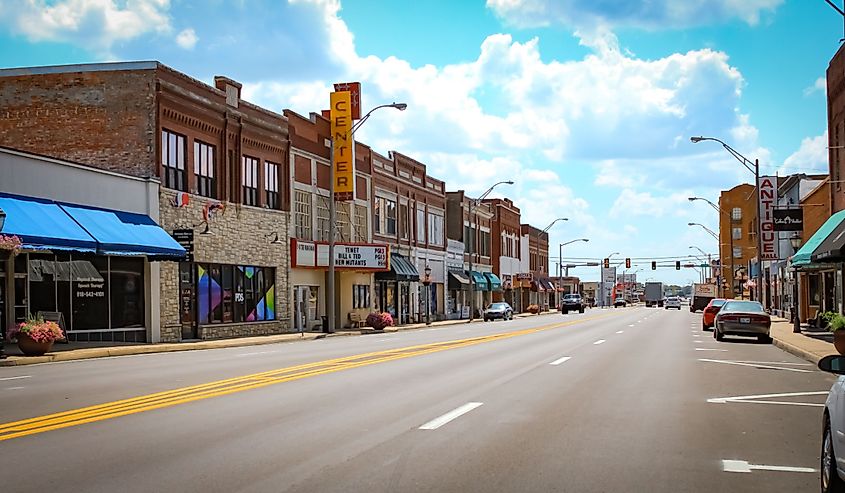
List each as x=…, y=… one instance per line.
x=343, y=162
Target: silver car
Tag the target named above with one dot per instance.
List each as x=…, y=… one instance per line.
x=498, y=310
x=672, y=302
x=744, y=318
x=833, y=432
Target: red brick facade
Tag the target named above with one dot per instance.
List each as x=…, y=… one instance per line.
x=836, y=128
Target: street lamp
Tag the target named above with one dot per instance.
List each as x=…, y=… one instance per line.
x=560, y=262
x=714, y=235
x=476, y=203
x=706, y=256
x=730, y=236
x=427, y=282
x=795, y=241
x=330, y=301
x=755, y=169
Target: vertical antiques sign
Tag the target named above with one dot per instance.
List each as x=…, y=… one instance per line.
x=768, y=199
x=342, y=156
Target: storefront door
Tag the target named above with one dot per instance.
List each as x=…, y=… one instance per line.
x=305, y=307
x=188, y=300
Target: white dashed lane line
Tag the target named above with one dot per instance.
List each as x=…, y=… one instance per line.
x=600, y=341
x=15, y=378
x=451, y=415
x=561, y=360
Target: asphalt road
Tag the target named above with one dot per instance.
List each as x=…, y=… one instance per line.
x=631, y=399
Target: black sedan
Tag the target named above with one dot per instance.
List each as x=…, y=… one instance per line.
x=498, y=310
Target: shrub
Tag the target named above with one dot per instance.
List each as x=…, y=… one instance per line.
x=836, y=322
x=379, y=321
x=533, y=308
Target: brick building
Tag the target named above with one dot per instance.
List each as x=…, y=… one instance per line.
x=309, y=231
x=506, y=249
x=836, y=128
x=472, y=224
x=409, y=210
x=541, y=291
x=221, y=163
x=740, y=206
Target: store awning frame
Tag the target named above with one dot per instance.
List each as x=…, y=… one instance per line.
x=400, y=270
x=804, y=255
x=832, y=248
x=480, y=282
x=458, y=281
x=494, y=281
x=43, y=224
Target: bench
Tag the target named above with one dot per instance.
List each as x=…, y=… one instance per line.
x=355, y=320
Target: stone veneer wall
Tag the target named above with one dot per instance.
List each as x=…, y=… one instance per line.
x=240, y=236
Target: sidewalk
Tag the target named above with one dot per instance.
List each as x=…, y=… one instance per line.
x=811, y=345
x=79, y=351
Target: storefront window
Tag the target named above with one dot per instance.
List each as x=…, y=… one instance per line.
x=89, y=289
x=127, y=292
x=227, y=293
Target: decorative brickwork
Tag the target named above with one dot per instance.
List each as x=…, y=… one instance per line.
x=239, y=236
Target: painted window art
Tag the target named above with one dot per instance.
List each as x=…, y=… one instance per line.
x=235, y=293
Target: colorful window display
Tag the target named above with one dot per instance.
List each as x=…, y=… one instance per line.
x=235, y=293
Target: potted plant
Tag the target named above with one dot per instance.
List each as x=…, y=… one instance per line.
x=836, y=324
x=533, y=309
x=379, y=321
x=36, y=336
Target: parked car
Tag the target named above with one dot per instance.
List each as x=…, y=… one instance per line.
x=619, y=302
x=571, y=302
x=710, y=311
x=672, y=302
x=744, y=318
x=832, y=470
x=498, y=310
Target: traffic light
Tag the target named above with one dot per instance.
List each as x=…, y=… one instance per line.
x=653, y=265
x=607, y=263
x=627, y=263
x=677, y=265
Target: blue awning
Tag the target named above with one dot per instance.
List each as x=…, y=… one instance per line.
x=45, y=224
x=125, y=233
x=494, y=281
x=42, y=224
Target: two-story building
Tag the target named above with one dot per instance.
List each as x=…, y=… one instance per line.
x=221, y=164
x=506, y=249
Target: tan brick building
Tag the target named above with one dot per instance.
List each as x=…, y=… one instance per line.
x=740, y=206
x=472, y=225
x=540, y=290
x=221, y=162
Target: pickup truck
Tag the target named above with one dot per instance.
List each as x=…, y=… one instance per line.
x=571, y=302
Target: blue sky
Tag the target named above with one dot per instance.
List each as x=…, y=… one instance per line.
x=587, y=104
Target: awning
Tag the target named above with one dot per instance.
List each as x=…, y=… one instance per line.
x=494, y=281
x=832, y=249
x=47, y=225
x=42, y=224
x=125, y=233
x=480, y=281
x=400, y=270
x=458, y=281
x=804, y=255
x=536, y=285
x=547, y=284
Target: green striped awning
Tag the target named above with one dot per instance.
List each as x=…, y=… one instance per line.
x=804, y=254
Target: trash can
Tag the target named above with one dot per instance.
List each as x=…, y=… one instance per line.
x=325, y=323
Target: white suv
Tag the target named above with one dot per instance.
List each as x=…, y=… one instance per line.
x=672, y=302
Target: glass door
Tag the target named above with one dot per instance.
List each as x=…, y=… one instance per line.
x=188, y=300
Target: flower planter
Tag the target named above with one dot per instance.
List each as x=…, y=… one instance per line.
x=30, y=347
x=839, y=341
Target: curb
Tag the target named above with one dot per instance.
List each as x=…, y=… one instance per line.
x=795, y=350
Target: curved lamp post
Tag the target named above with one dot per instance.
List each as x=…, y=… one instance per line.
x=754, y=168
x=330, y=285
x=795, y=241
x=427, y=282
x=473, y=203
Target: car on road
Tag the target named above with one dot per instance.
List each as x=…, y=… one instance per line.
x=571, y=302
x=832, y=470
x=672, y=302
x=619, y=302
x=498, y=309
x=743, y=318
x=710, y=311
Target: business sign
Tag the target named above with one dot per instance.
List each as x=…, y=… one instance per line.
x=789, y=219
x=354, y=90
x=185, y=238
x=768, y=190
x=524, y=276
x=608, y=280
x=342, y=145
x=348, y=256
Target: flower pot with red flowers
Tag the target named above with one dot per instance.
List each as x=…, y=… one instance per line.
x=533, y=309
x=36, y=336
x=379, y=321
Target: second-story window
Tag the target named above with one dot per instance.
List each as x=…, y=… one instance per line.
x=302, y=214
x=271, y=184
x=390, y=217
x=736, y=214
x=204, y=169
x=435, y=229
x=378, y=214
x=249, y=180
x=173, y=160
x=420, y=225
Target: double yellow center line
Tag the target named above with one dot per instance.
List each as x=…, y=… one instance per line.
x=100, y=412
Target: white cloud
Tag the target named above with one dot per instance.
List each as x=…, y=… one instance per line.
x=820, y=85
x=810, y=158
x=92, y=24
x=633, y=203
x=649, y=14
x=187, y=39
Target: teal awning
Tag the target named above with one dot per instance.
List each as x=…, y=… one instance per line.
x=804, y=254
x=480, y=281
x=495, y=282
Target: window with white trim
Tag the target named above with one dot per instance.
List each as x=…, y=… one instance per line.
x=271, y=184
x=249, y=180
x=420, y=225
x=435, y=229
x=322, y=218
x=736, y=233
x=204, y=169
x=736, y=214
x=302, y=214
x=173, y=160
